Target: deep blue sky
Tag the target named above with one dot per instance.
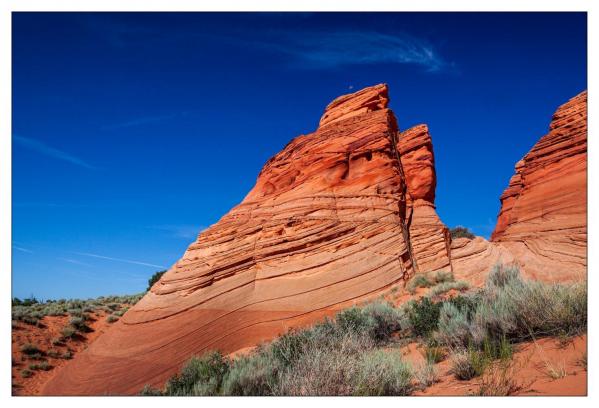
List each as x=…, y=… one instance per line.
x=131, y=132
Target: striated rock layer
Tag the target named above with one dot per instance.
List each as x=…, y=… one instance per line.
x=542, y=220
x=429, y=237
x=325, y=226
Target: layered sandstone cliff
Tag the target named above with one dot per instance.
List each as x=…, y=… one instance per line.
x=429, y=237
x=325, y=226
x=542, y=220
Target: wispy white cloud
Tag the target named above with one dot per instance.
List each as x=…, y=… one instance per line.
x=43, y=148
x=18, y=248
x=333, y=49
x=143, y=121
x=74, y=261
x=119, y=260
x=180, y=231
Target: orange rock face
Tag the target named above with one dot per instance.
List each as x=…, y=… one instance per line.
x=325, y=226
x=429, y=237
x=543, y=214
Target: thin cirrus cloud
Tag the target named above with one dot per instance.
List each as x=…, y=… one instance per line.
x=74, y=261
x=334, y=49
x=18, y=248
x=143, y=121
x=119, y=259
x=50, y=151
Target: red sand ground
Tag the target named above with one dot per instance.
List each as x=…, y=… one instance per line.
x=42, y=338
x=532, y=364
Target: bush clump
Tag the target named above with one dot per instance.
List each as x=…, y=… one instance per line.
x=200, y=376
x=461, y=232
x=26, y=373
x=423, y=316
x=112, y=318
x=30, y=349
x=154, y=278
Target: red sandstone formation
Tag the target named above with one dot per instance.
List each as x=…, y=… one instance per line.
x=429, y=237
x=542, y=221
x=338, y=216
x=324, y=227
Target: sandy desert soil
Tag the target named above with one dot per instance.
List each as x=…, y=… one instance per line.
x=42, y=338
x=546, y=367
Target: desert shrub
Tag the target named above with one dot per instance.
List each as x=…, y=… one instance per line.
x=55, y=311
x=418, y=281
x=462, y=366
x=67, y=355
x=119, y=313
x=113, y=306
x=423, y=316
x=426, y=375
x=522, y=309
x=433, y=353
x=378, y=321
x=44, y=365
x=26, y=373
x=453, y=328
x=383, y=373
x=466, y=303
x=461, y=232
x=30, y=349
x=199, y=376
x=290, y=346
x=502, y=275
x=68, y=332
x=329, y=370
x=79, y=324
x=53, y=353
x=445, y=287
x=37, y=315
x=252, y=375
x=444, y=276
x=154, y=278
x=150, y=391
x=497, y=348
x=112, y=318
x=499, y=380
x=34, y=321
x=75, y=312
